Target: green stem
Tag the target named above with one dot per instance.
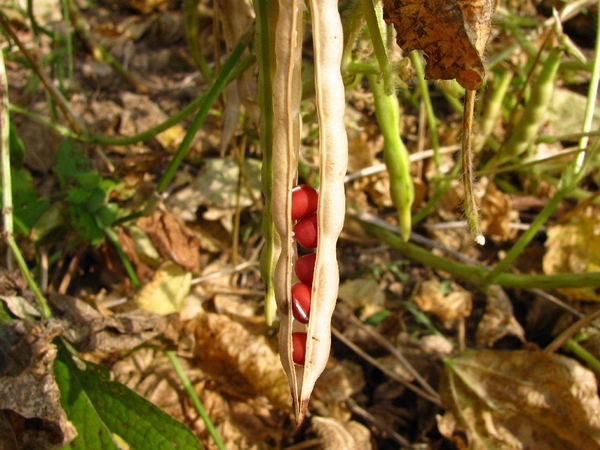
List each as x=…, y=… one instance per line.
x=478, y=275
x=378, y=45
x=187, y=385
x=211, y=96
x=591, y=100
x=582, y=354
x=190, y=18
x=112, y=236
x=430, y=115
x=69, y=42
x=264, y=57
x=527, y=236
x=7, y=200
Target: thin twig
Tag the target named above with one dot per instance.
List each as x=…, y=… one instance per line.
x=377, y=423
x=62, y=103
x=394, y=351
x=435, y=399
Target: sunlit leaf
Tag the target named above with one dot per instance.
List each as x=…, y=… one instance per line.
x=522, y=399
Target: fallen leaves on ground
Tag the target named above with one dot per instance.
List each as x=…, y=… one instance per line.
x=574, y=247
x=520, y=399
x=449, y=308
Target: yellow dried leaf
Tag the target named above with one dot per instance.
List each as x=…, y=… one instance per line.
x=167, y=290
x=239, y=359
x=521, y=399
x=448, y=308
x=574, y=248
x=497, y=215
x=337, y=434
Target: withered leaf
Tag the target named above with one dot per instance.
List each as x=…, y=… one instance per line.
x=239, y=359
x=88, y=330
x=30, y=412
x=172, y=238
x=521, y=399
x=334, y=433
x=451, y=33
x=574, y=247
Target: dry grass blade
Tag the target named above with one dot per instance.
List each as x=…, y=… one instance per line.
x=470, y=204
x=435, y=399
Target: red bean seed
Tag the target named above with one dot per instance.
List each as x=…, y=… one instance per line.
x=304, y=201
x=299, y=348
x=301, y=302
x=305, y=231
x=305, y=268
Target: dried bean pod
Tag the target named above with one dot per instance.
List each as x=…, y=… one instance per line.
x=333, y=151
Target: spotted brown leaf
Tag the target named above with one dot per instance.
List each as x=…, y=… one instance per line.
x=451, y=33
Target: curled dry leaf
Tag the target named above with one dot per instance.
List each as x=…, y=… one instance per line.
x=574, y=248
x=498, y=320
x=448, y=308
x=521, y=399
x=87, y=330
x=19, y=306
x=31, y=415
x=240, y=360
x=166, y=292
x=343, y=435
x=451, y=33
x=173, y=240
x=497, y=215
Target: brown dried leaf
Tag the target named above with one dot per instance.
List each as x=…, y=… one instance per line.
x=522, y=399
x=497, y=215
x=448, y=308
x=30, y=412
x=339, y=381
x=240, y=360
x=172, y=239
x=343, y=435
x=88, y=330
x=574, y=248
x=451, y=33
x=498, y=320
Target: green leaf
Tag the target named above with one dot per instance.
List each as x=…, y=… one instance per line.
x=88, y=180
x=27, y=206
x=96, y=201
x=70, y=162
x=49, y=225
x=78, y=195
x=85, y=224
x=107, y=214
x=17, y=149
x=105, y=411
